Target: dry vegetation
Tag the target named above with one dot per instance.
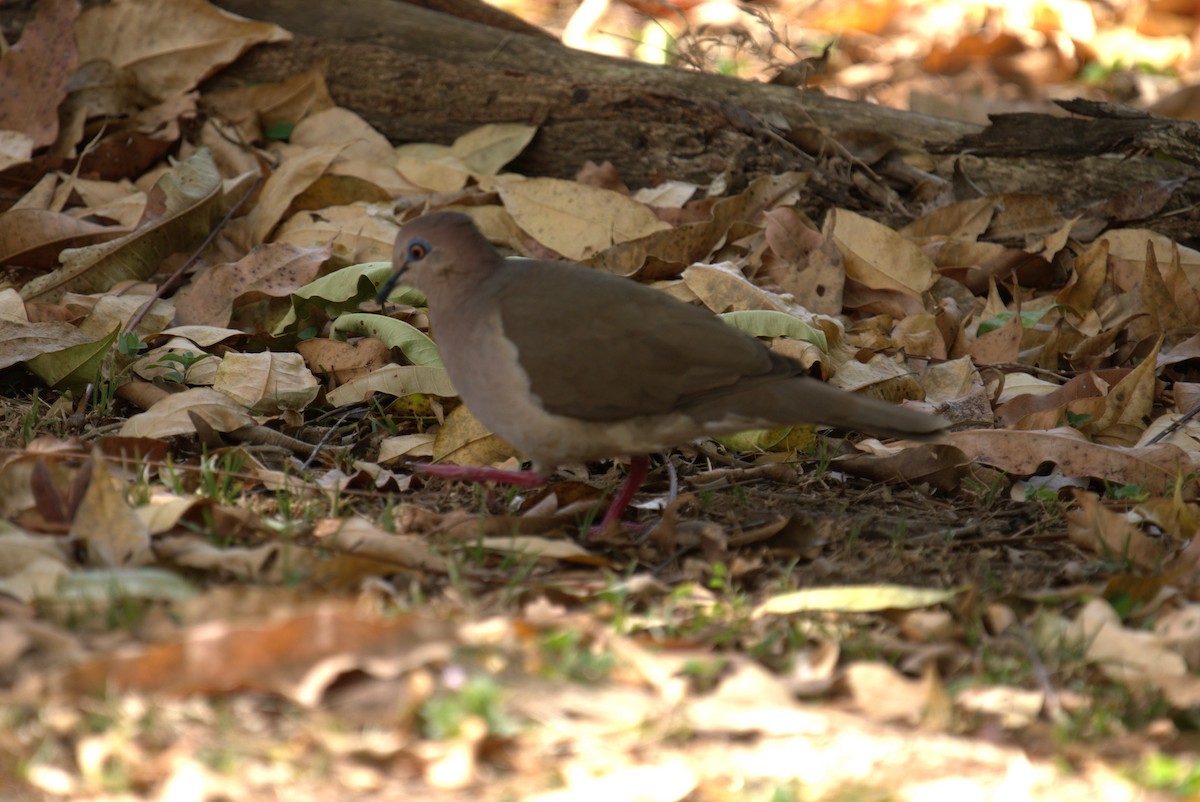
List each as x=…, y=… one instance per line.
x=220, y=579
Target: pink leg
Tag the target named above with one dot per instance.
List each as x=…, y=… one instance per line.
x=474, y=473
x=638, y=468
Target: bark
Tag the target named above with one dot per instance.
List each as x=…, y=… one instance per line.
x=418, y=74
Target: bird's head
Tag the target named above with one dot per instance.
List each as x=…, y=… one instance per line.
x=437, y=253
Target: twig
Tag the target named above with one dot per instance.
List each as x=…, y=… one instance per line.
x=171, y=279
x=324, y=439
x=1053, y=704
x=1175, y=425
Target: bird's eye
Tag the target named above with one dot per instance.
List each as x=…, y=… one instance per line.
x=417, y=250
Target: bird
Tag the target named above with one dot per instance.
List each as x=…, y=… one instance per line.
x=570, y=364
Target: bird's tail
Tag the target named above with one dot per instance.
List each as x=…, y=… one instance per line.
x=806, y=400
x=833, y=406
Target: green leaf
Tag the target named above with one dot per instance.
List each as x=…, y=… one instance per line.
x=73, y=368
x=418, y=348
x=130, y=345
x=855, y=599
x=187, y=360
x=770, y=323
x=108, y=584
x=343, y=291
x=1076, y=420
x=787, y=438
x=280, y=132
x=1029, y=319
x=1126, y=492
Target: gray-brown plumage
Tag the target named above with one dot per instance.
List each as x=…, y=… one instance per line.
x=572, y=364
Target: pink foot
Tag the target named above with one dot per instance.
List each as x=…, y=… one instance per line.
x=476, y=473
x=638, y=468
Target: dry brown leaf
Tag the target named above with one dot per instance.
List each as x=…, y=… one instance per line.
x=463, y=440
x=749, y=699
x=884, y=694
x=573, y=219
x=20, y=342
x=950, y=381
x=1000, y=345
x=963, y=221
x=34, y=74
x=1180, y=628
x=172, y=415
x=1131, y=657
x=184, y=206
x=942, y=466
x=284, y=102
x=165, y=511
x=296, y=653
x=976, y=48
x=340, y=361
x=35, y=237
x=1139, y=202
x=356, y=234
x=881, y=377
x=262, y=563
x=1056, y=401
x=1154, y=308
x=1127, y=253
x=668, y=195
x=161, y=363
x=107, y=525
x=406, y=446
x=877, y=257
x=543, y=548
x=809, y=265
x=362, y=538
x=1088, y=276
x=372, y=179
x=300, y=168
x=866, y=301
x=431, y=167
x=723, y=288
x=268, y=382
x=661, y=781
x=480, y=152
x=112, y=311
x=119, y=201
x=397, y=380
x=1153, y=468
x=919, y=335
x=976, y=264
x=1127, y=405
x=98, y=89
x=1013, y=708
x=1024, y=217
x=30, y=567
x=171, y=45
x=275, y=270
x=668, y=252
x=340, y=126
x=1176, y=518
x=1110, y=535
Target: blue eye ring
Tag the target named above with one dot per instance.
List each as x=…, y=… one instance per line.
x=418, y=249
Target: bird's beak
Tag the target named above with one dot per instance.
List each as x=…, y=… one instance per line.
x=386, y=288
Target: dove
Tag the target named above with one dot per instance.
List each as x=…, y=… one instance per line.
x=569, y=364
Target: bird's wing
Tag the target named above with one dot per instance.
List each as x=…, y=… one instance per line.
x=602, y=348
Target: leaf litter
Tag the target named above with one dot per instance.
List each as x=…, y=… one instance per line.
x=210, y=509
